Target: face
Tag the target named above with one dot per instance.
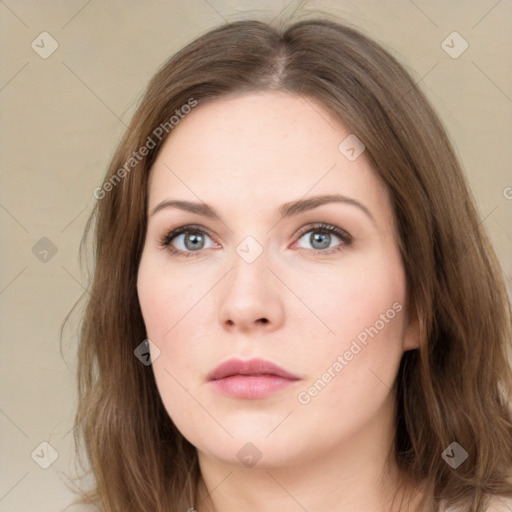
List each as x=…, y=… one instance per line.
x=316, y=288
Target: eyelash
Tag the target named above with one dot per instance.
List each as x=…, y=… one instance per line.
x=346, y=239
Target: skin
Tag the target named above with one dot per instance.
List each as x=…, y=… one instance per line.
x=245, y=156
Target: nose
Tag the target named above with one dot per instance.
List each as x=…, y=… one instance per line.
x=250, y=297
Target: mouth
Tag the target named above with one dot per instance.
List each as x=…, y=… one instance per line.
x=252, y=379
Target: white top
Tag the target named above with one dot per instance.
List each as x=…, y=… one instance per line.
x=498, y=504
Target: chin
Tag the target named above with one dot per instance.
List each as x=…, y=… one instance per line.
x=259, y=454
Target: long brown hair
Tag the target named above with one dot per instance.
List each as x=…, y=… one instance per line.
x=454, y=388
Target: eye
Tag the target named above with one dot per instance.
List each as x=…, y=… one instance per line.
x=190, y=240
x=185, y=240
x=320, y=237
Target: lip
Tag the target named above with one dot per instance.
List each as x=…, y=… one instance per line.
x=252, y=379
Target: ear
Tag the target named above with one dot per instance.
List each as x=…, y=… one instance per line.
x=412, y=328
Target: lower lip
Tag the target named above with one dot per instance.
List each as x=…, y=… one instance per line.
x=251, y=386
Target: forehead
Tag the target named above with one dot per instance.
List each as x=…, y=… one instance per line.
x=258, y=149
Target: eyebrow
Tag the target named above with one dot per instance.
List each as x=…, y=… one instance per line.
x=286, y=210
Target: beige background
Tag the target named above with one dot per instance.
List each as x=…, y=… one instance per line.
x=62, y=117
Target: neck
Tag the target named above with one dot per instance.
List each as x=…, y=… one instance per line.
x=358, y=474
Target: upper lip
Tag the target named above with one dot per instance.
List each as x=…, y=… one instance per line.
x=250, y=367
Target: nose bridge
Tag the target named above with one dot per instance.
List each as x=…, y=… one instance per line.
x=249, y=297
x=251, y=253
x=249, y=267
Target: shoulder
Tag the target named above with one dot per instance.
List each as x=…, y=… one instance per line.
x=496, y=504
x=500, y=504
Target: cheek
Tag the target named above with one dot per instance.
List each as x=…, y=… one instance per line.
x=171, y=305
x=356, y=369
x=161, y=308
x=360, y=294
x=165, y=298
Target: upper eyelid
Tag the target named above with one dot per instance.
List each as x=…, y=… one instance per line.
x=319, y=226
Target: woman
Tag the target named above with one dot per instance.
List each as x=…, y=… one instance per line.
x=294, y=305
